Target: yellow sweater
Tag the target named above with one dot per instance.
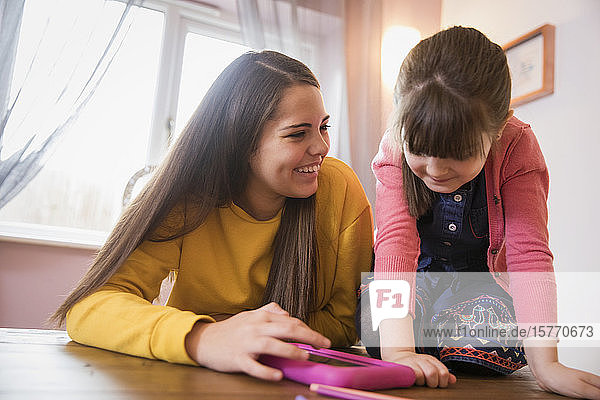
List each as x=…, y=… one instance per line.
x=222, y=268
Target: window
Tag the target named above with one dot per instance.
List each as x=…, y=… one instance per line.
x=154, y=84
x=199, y=71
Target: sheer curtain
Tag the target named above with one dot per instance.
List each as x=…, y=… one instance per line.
x=313, y=32
x=367, y=119
x=63, y=60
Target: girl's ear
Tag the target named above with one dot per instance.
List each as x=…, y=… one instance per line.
x=510, y=114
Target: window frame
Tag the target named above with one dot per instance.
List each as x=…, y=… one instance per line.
x=180, y=17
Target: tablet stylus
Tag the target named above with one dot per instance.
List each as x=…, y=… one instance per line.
x=350, y=394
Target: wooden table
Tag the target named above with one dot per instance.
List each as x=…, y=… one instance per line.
x=36, y=364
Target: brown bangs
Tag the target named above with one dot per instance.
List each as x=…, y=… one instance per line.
x=438, y=123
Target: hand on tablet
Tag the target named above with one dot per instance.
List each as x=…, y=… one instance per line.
x=234, y=345
x=428, y=370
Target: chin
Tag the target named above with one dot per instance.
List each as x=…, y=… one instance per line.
x=303, y=194
x=442, y=188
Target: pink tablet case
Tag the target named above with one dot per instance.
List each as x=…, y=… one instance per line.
x=369, y=374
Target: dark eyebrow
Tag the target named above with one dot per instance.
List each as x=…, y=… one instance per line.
x=304, y=124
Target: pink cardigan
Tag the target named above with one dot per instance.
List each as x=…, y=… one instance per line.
x=517, y=190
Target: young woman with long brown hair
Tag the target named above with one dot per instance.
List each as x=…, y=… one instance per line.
x=268, y=236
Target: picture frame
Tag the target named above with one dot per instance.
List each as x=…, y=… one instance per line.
x=531, y=62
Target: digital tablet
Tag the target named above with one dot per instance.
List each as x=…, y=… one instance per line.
x=336, y=368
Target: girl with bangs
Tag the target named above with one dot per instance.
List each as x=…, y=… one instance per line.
x=461, y=215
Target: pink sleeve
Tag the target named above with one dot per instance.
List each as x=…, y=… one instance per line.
x=524, y=194
x=397, y=241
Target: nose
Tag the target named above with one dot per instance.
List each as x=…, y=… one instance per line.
x=319, y=144
x=436, y=167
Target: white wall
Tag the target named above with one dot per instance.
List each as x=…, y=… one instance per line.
x=567, y=125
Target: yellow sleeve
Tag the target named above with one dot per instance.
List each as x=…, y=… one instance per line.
x=355, y=254
x=120, y=316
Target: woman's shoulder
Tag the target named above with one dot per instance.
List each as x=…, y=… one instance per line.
x=337, y=176
x=340, y=187
x=341, y=198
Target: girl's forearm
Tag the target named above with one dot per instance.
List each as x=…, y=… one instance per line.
x=540, y=352
x=396, y=335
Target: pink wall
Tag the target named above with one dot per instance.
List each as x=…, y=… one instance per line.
x=34, y=279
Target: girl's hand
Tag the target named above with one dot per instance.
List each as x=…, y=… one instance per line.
x=428, y=369
x=555, y=377
x=234, y=345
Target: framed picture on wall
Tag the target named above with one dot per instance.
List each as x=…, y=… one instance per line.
x=531, y=61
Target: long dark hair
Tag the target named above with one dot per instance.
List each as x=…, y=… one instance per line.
x=452, y=89
x=208, y=168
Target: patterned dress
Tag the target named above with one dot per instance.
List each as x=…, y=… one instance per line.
x=462, y=316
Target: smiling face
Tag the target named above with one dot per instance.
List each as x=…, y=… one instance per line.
x=290, y=152
x=446, y=175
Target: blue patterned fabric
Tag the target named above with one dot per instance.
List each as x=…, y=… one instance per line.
x=454, y=242
x=455, y=291
x=479, y=311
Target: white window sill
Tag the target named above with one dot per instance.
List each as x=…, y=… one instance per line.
x=51, y=235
